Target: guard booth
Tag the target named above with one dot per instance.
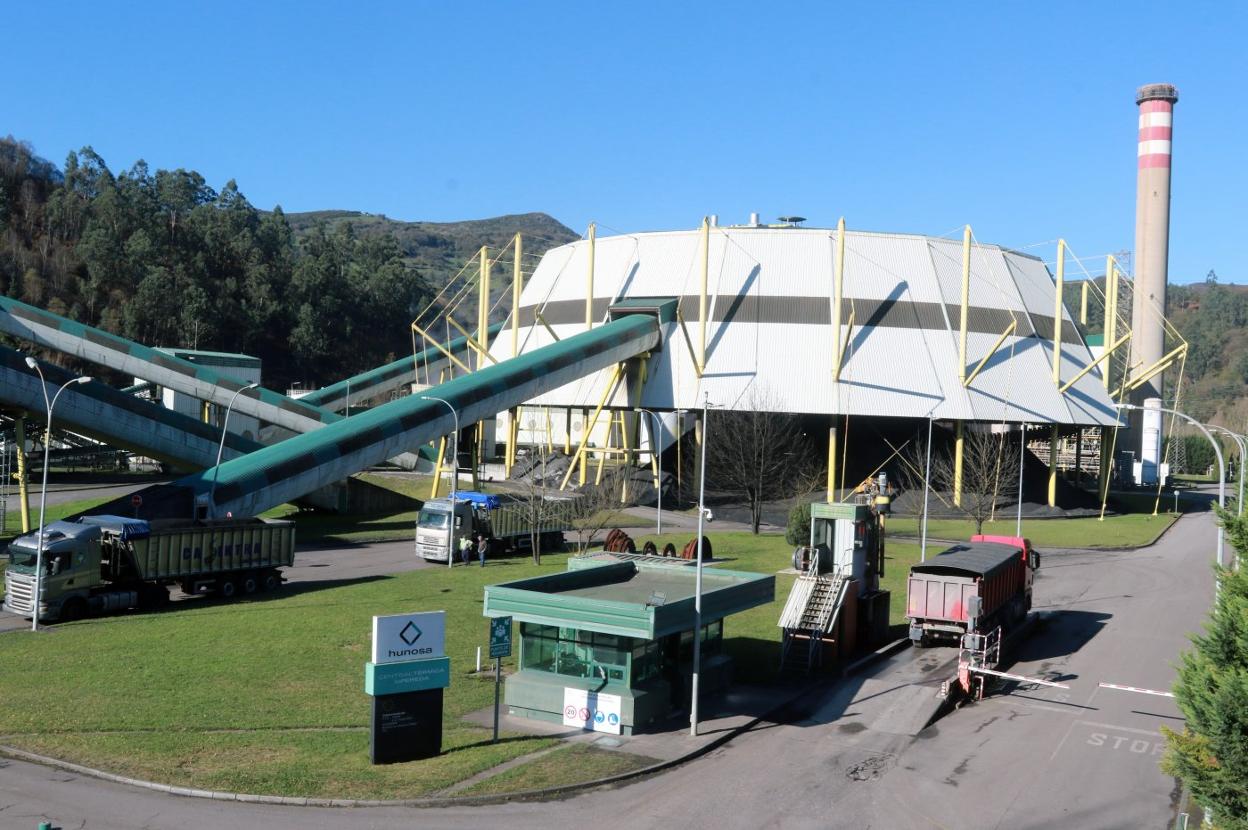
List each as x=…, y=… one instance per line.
x=613, y=637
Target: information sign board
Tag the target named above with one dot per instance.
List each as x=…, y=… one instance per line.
x=500, y=637
x=401, y=637
x=592, y=711
x=406, y=727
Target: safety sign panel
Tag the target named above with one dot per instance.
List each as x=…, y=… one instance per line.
x=591, y=711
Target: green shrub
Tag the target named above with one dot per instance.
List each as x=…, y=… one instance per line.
x=798, y=531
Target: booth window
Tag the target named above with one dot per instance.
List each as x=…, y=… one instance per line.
x=574, y=653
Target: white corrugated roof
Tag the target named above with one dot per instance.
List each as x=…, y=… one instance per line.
x=769, y=336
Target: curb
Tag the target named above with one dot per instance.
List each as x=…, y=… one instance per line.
x=544, y=794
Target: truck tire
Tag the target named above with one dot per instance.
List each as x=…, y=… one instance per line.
x=73, y=609
x=270, y=581
x=249, y=583
x=227, y=588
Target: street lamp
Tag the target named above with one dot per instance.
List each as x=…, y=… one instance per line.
x=654, y=445
x=43, y=499
x=697, y=589
x=450, y=542
x=225, y=422
x=1239, y=442
x=1217, y=450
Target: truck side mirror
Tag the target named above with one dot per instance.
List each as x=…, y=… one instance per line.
x=459, y=522
x=1035, y=560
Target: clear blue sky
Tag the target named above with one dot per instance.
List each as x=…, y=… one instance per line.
x=1017, y=118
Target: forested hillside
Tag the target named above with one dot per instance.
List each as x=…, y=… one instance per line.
x=163, y=258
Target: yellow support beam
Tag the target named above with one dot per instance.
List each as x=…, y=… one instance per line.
x=1057, y=312
x=1010, y=329
x=1095, y=363
x=517, y=285
x=482, y=352
x=966, y=303
x=1053, y=438
x=23, y=486
x=832, y=461
x=959, y=455
x=483, y=310
x=706, y=267
x=844, y=345
x=542, y=320
x=1083, y=303
x=437, y=469
x=612, y=382
x=680, y=318
x=433, y=341
x=1158, y=367
x=1111, y=309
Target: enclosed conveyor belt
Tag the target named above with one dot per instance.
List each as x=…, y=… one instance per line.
x=64, y=335
x=98, y=411
x=368, y=385
x=250, y=485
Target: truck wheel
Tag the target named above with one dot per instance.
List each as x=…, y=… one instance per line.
x=227, y=589
x=270, y=581
x=249, y=584
x=74, y=609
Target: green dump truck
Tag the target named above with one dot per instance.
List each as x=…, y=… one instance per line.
x=97, y=564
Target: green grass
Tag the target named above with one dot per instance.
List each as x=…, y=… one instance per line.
x=1123, y=531
x=266, y=695
x=13, y=519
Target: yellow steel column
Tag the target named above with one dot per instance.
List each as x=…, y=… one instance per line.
x=1106, y=458
x=706, y=265
x=1083, y=303
x=483, y=318
x=1111, y=312
x=437, y=469
x=838, y=286
x=23, y=489
x=589, y=290
x=959, y=452
x=832, y=461
x=1057, y=312
x=517, y=285
x=1053, y=437
x=966, y=302
x=680, y=439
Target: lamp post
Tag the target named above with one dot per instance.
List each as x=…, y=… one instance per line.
x=43, y=499
x=1239, y=442
x=1022, y=460
x=697, y=588
x=927, y=487
x=225, y=422
x=1217, y=451
x=450, y=542
x=654, y=444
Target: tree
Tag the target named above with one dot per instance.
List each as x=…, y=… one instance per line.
x=1210, y=755
x=591, y=511
x=989, y=469
x=758, y=452
x=538, y=509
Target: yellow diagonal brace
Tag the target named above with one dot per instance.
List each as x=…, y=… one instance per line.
x=612, y=382
x=1158, y=367
x=680, y=318
x=1010, y=329
x=430, y=338
x=1095, y=363
x=472, y=341
x=542, y=320
x=849, y=330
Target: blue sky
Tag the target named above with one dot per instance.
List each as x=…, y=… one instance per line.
x=1017, y=118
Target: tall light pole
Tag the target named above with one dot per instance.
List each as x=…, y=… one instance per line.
x=927, y=488
x=43, y=499
x=654, y=450
x=225, y=422
x=1217, y=450
x=1022, y=460
x=697, y=588
x=450, y=540
x=1242, y=443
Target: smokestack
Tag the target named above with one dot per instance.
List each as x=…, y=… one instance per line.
x=1152, y=249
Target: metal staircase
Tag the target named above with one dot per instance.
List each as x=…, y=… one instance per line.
x=809, y=615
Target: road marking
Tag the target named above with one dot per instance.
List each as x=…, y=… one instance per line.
x=1135, y=689
x=1113, y=728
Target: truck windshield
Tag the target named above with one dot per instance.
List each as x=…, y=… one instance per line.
x=433, y=519
x=21, y=557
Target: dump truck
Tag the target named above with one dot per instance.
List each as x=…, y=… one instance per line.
x=971, y=587
x=504, y=522
x=97, y=564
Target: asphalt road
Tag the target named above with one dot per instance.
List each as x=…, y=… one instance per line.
x=1028, y=756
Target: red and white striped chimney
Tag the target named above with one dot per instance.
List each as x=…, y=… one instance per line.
x=1152, y=225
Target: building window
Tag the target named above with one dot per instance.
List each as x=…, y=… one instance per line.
x=574, y=653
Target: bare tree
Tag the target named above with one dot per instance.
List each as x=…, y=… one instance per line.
x=989, y=469
x=538, y=510
x=593, y=508
x=758, y=453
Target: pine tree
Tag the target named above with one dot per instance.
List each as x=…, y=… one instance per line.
x=1211, y=754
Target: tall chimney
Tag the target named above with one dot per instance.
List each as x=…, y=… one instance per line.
x=1152, y=248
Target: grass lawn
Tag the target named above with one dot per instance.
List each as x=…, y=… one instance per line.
x=265, y=694
x=551, y=770
x=1123, y=531
x=13, y=519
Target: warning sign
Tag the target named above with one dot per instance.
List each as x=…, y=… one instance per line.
x=591, y=711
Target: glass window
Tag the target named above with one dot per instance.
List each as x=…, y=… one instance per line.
x=575, y=653
x=433, y=519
